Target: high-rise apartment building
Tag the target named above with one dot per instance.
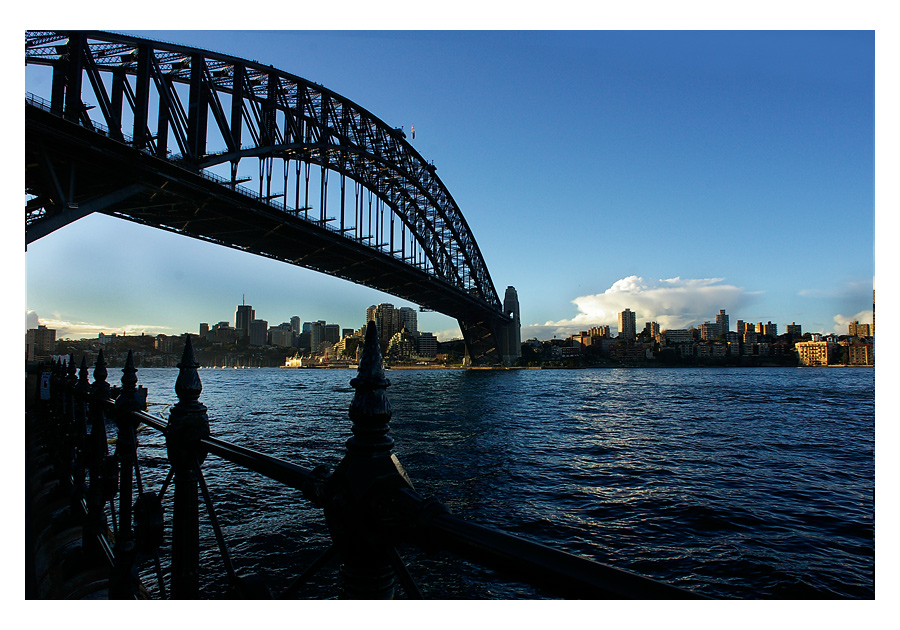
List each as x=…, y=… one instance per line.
x=408, y=319
x=39, y=342
x=627, y=326
x=722, y=321
x=387, y=320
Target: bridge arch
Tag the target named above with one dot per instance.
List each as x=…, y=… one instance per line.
x=217, y=111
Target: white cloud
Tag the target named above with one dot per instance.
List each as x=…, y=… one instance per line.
x=85, y=330
x=841, y=321
x=448, y=335
x=671, y=302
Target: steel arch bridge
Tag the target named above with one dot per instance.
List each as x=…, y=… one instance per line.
x=160, y=134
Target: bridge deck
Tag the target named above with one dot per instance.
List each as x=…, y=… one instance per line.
x=161, y=194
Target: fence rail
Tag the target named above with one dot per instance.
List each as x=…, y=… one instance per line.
x=369, y=504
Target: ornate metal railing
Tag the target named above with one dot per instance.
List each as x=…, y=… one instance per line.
x=369, y=504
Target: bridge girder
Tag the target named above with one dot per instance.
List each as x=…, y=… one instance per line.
x=279, y=111
x=288, y=119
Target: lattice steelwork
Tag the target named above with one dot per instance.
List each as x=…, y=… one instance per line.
x=217, y=110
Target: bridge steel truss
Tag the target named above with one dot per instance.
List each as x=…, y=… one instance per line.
x=397, y=228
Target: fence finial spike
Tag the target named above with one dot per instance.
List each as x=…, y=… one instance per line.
x=188, y=386
x=129, y=373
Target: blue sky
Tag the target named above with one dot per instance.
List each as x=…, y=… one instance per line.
x=671, y=172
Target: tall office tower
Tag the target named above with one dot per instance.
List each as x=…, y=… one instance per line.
x=740, y=326
x=258, y=331
x=332, y=333
x=295, y=324
x=316, y=336
x=242, y=318
x=627, y=324
x=511, y=307
x=204, y=330
x=794, y=330
x=408, y=319
x=722, y=321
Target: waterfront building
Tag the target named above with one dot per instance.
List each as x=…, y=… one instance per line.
x=316, y=336
x=40, y=342
x=859, y=330
x=709, y=331
x=581, y=340
x=627, y=324
x=861, y=354
x=402, y=345
x=814, y=353
x=332, y=333
x=258, y=332
x=678, y=335
x=242, y=318
x=281, y=337
x=166, y=343
x=426, y=345
x=223, y=333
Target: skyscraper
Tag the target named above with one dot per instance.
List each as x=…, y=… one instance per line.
x=242, y=318
x=627, y=324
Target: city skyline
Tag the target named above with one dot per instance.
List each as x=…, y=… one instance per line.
x=672, y=173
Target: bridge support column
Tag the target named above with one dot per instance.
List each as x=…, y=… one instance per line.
x=491, y=343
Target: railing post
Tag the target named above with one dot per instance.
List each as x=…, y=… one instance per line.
x=188, y=423
x=82, y=390
x=125, y=583
x=68, y=425
x=358, y=491
x=97, y=451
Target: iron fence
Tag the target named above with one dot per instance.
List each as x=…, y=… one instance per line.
x=368, y=501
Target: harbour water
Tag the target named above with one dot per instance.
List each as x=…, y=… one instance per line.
x=732, y=483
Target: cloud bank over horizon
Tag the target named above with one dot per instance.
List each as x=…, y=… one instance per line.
x=671, y=302
x=84, y=330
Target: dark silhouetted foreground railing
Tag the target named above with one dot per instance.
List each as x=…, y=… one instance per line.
x=369, y=503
